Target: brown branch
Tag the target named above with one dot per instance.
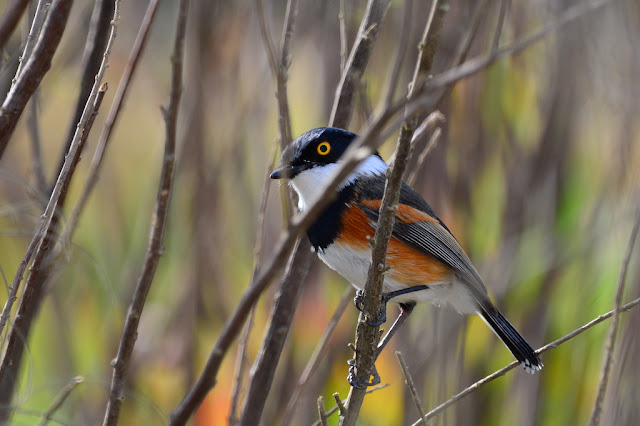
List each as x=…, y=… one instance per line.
x=611, y=338
x=367, y=337
x=241, y=359
x=357, y=62
x=10, y=20
x=60, y=399
x=549, y=346
x=158, y=223
x=34, y=70
x=402, y=50
x=279, y=325
x=339, y=407
x=477, y=64
x=36, y=27
x=39, y=248
x=409, y=381
x=321, y=411
x=92, y=57
x=110, y=121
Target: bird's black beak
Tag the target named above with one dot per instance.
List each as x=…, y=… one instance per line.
x=289, y=171
x=278, y=173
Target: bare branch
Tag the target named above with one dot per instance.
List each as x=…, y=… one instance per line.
x=60, y=399
x=611, y=338
x=367, y=337
x=34, y=70
x=10, y=20
x=357, y=62
x=343, y=36
x=549, y=346
x=321, y=411
x=110, y=121
x=279, y=325
x=158, y=222
x=36, y=26
x=402, y=50
x=92, y=56
x=39, y=248
x=339, y=407
x=409, y=381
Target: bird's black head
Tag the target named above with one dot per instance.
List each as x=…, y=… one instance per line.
x=316, y=147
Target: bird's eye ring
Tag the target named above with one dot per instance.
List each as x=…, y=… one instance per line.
x=324, y=148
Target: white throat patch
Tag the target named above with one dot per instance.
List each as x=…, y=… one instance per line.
x=310, y=183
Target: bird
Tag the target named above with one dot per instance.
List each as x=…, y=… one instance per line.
x=425, y=262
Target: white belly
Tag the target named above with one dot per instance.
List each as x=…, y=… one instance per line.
x=354, y=266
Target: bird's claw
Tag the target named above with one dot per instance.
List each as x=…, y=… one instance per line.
x=382, y=318
x=359, y=383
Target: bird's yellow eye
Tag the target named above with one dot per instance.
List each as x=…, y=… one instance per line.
x=324, y=148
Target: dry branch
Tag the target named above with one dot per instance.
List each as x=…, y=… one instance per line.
x=39, y=248
x=110, y=121
x=34, y=70
x=158, y=222
x=367, y=337
x=92, y=56
x=357, y=62
x=279, y=325
x=549, y=346
x=10, y=19
x=60, y=399
x=611, y=338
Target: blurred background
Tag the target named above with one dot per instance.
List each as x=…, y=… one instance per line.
x=536, y=173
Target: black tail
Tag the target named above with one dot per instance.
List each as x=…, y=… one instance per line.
x=511, y=338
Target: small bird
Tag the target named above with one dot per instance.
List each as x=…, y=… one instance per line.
x=427, y=263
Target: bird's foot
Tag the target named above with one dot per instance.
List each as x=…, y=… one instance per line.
x=372, y=380
x=382, y=317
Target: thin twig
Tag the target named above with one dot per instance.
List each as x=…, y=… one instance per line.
x=36, y=26
x=611, y=338
x=317, y=355
x=339, y=404
x=504, y=5
x=240, y=369
x=367, y=337
x=321, y=411
x=433, y=141
x=60, y=399
x=402, y=50
x=92, y=56
x=479, y=63
x=39, y=248
x=549, y=346
x=339, y=407
x=279, y=325
x=357, y=62
x=34, y=70
x=242, y=346
x=343, y=36
x=110, y=121
x=409, y=381
x=36, y=145
x=10, y=19
x=158, y=223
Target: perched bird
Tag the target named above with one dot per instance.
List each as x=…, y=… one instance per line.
x=427, y=264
